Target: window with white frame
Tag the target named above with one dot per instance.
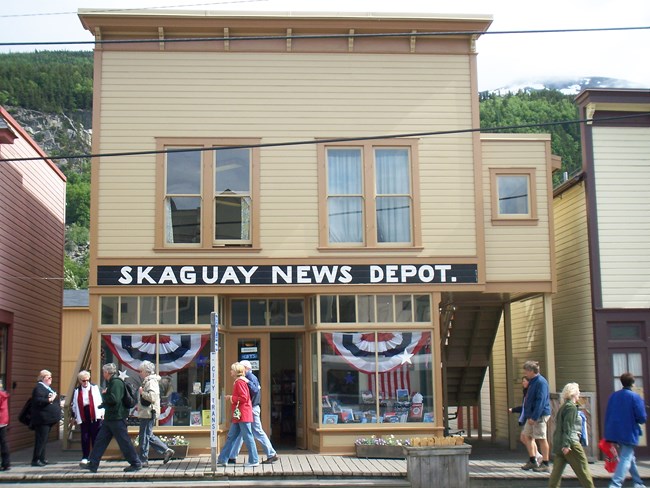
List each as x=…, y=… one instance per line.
x=369, y=190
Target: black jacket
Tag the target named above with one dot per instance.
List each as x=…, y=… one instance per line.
x=44, y=412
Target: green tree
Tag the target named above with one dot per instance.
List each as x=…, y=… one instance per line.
x=538, y=107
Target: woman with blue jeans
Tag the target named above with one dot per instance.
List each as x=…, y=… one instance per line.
x=625, y=411
x=242, y=418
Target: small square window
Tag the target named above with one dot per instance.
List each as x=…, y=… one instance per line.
x=513, y=196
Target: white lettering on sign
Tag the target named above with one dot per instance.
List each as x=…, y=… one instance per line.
x=287, y=275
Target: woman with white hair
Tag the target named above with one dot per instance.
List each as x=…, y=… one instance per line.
x=566, y=443
x=148, y=408
x=86, y=399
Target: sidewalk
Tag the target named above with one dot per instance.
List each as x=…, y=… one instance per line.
x=490, y=466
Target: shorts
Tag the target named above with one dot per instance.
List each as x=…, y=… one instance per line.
x=538, y=429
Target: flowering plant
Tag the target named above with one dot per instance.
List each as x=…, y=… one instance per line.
x=391, y=440
x=175, y=440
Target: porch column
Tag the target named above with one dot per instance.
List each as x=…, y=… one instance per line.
x=513, y=427
x=549, y=348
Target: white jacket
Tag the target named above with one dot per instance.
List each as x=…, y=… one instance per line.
x=97, y=401
x=151, y=393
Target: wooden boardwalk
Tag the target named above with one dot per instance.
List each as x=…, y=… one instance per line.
x=297, y=468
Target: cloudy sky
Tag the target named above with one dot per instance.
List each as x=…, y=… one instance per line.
x=504, y=59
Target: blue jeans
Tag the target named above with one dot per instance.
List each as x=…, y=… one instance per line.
x=626, y=462
x=237, y=429
x=258, y=434
x=147, y=438
x=108, y=430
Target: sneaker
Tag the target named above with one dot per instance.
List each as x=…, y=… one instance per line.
x=270, y=460
x=251, y=465
x=168, y=455
x=639, y=485
x=223, y=465
x=529, y=465
x=90, y=467
x=84, y=461
x=542, y=468
x=232, y=461
x=132, y=467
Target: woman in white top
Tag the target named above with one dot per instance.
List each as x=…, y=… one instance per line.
x=86, y=400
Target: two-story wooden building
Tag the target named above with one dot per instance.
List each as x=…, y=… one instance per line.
x=32, y=233
x=320, y=181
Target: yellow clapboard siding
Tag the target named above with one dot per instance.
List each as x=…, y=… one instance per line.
x=622, y=176
x=572, y=316
x=517, y=252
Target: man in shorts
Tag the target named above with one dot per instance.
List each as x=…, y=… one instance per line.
x=537, y=411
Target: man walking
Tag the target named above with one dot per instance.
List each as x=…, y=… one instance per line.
x=114, y=424
x=537, y=411
x=625, y=411
x=258, y=432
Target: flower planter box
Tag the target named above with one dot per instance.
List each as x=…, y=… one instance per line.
x=180, y=452
x=380, y=452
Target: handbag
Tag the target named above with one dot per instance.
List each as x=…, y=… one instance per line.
x=237, y=413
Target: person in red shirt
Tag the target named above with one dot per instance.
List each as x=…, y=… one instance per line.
x=242, y=418
x=4, y=423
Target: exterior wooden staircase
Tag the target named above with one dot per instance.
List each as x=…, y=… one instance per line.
x=468, y=334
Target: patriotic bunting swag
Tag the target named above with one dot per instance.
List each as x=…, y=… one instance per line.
x=394, y=352
x=176, y=351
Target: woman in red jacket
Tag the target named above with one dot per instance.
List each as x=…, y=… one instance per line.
x=242, y=418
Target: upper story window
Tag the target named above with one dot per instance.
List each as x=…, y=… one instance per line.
x=370, y=194
x=513, y=195
x=209, y=190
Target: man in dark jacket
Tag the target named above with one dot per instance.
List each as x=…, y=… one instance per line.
x=625, y=411
x=114, y=424
x=537, y=411
x=46, y=412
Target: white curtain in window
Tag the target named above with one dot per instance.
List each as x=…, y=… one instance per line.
x=344, y=187
x=245, y=218
x=393, y=195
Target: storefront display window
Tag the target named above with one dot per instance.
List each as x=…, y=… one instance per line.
x=181, y=359
x=148, y=310
x=376, y=377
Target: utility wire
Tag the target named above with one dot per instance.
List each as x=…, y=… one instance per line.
x=331, y=140
x=321, y=36
x=102, y=10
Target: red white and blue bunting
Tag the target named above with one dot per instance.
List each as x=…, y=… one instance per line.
x=392, y=349
x=176, y=351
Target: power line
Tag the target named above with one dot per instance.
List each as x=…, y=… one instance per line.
x=331, y=140
x=132, y=9
x=321, y=36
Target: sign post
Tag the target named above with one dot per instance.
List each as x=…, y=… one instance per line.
x=214, y=376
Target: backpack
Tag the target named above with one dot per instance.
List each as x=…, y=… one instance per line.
x=130, y=398
x=146, y=403
x=25, y=415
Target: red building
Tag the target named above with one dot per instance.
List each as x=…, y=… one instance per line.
x=32, y=228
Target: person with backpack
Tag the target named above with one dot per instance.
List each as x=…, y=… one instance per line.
x=116, y=403
x=566, y=440
x=148, y=408
x=46, y=412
